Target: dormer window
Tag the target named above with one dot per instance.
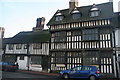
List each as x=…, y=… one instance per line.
x=59, y=16
x=94, y=11
x=76, y=14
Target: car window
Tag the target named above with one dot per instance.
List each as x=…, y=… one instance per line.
x=5, y=63
x=0, y=63
x=86, y=68
x=77, y=68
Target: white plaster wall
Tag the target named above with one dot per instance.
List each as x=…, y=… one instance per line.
x=117, y=37
x=22, y=63
x=45, y=48
x=16, y=51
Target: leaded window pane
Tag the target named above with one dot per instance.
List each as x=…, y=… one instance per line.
x=90, y=34
x=76, y=15
x=59, y=18
x=94, y=13
x=36, y=59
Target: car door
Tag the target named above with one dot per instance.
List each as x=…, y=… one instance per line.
x=75, y=72
x=84, y=73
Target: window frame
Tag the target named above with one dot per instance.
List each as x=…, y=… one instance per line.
x=59, y=17
x=94, y=13
x=10, y=46
x=90, y=34
x=18, y=46
x=76, y=15
x=22, y=57
x=37, y=46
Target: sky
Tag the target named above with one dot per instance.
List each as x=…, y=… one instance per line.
x=21, y=15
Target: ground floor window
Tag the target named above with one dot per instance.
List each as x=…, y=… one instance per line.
x=66, y=60
x=10, y=58
x=36, y=59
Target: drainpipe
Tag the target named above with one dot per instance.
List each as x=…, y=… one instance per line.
x=28, y=60
x=115, y=54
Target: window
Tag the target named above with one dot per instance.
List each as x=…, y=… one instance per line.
x=59, y=18
x=90, y=34
x=77, y=68
x=36, y=59
x=60, y=36
x=25, y=46
x=21, y=58
x=94, y=11
x=76, y=15
x=60, y=57
x=10, y=46
x=85, y=68
x=18, y=46
x=37, y=46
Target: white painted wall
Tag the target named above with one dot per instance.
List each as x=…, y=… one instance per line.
x=15, y=51
x=117, y=37
x=22, y=63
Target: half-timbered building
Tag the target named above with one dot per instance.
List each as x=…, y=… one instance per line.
x=83, y=36
x=116, y=23
x=30, y=49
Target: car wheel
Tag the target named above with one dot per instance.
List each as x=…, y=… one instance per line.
x=92, y=78
x=65, y=76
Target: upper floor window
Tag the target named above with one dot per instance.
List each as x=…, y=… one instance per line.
x=10, y=46
x=18, y=46
x=90, y=34
x=76, y=14
x=60, y=36
x=25, y=46
x=94, y=11
x=37, y=46
x=59, y=16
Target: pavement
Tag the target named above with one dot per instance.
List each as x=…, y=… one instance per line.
x=37, y=72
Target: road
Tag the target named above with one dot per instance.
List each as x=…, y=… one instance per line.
x=32, y=76
x=25, y=76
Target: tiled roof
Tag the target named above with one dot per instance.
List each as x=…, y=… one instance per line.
x=106, y=11
x=29, y=37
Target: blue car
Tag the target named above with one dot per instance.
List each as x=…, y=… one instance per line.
x=89, y=72
x=6, y=66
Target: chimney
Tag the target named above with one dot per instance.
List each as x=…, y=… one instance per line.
x=1, y=38
x=40, y=24
x=1, y=32
x=73, y=4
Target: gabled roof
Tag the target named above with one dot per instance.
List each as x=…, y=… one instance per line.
x=29, y=37
x=106, y=10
